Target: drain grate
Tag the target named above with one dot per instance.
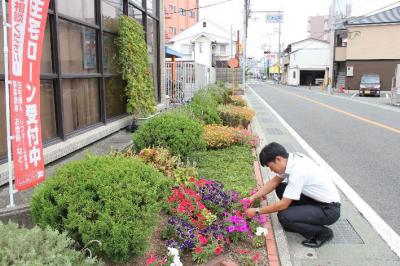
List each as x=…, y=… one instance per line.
x=273, y=131
x=344, y=233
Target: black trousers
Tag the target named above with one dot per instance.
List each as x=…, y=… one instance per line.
x=307, y=216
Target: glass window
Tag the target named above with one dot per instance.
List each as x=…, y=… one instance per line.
x=47, y=110
x=111, y=10
x=137, y=2
x=77, y=48
x=3, y=125
x=46, y=65
x=182, y=12
x=79, y=9
x=151, y=6
x=47, y=113
x=110, y=63
x=135, y=14
x=115, y=96
x=81, y=103
x=152, y=42
x=2, y=42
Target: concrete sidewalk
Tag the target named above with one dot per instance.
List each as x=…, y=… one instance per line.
x=355, y=241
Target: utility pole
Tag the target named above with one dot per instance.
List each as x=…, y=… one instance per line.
x=231, y=42
x=279, y=52
x=331, y=45
x=245, y=24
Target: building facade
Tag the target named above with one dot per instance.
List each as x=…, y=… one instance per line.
x=81, y=89
x=179, y=15
x=305, y=62
x=205, y=43
x=318, y=27
x=368, y=45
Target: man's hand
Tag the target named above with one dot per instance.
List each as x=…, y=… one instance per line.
x=250, y=213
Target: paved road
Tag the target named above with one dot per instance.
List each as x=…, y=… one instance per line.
x=361, y=142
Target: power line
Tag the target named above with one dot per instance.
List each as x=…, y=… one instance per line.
x=196, y=8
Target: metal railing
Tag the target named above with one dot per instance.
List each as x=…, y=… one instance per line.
x=183, y=79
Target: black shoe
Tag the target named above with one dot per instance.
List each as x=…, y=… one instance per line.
x=316, y=242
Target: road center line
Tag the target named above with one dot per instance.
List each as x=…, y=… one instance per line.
x=381, y=227
x=369, y=121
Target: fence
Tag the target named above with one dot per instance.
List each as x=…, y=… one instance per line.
x=225, y=74
x=183, y=79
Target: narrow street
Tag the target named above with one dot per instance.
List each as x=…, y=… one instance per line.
x=361, y=142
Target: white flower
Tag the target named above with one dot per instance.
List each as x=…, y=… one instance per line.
x=177, y=262
x=261, y=231
x=173, y=252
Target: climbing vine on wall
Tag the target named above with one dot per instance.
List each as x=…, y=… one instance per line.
x=134, y=62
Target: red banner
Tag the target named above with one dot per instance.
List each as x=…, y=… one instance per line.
x=27, y=19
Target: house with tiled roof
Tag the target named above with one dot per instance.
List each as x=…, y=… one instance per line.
x=368, y=44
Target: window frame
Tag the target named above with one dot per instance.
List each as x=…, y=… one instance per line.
x=54, y=18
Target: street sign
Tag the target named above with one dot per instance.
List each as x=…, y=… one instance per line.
x=233, y=63
x=27, y=21
x=274, y=18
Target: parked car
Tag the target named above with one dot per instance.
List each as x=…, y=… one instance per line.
x=370, y=85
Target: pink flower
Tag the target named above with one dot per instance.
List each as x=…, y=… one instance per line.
x=198, y=250
x=151, y=260
x=256, y=257
x=203, y=240
x=245, y=203
x=218, y=250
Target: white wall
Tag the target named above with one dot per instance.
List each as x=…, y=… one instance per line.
x=310, y=55
x=293, y=77
x=203, y=51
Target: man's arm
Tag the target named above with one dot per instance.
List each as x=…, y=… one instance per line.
x=267, y=188
x=281, y=205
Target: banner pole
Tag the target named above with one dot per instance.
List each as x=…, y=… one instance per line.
x=6, y=87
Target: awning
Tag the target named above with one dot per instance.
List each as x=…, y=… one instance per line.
x=169, y=53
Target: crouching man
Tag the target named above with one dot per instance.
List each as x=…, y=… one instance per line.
x=308, y=198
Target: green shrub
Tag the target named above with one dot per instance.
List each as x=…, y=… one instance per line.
x=21, y=246
x=204, y=106
x=236, y=116
x=112, y=199
x=178, y=133
x=231, y=166
x=135, y=67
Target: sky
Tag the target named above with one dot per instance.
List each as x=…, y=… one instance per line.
x=294, y=27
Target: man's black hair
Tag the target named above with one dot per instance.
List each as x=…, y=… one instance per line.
x=268, y=153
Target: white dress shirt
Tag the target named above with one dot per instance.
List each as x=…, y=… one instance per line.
x=304, y=176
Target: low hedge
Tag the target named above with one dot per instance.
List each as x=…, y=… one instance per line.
x=204, y=106
x=177, y=132
x=112, y=199
x=36, y=246
x=236, y=116
x=232, y=166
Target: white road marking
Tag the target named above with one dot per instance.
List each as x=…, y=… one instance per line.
x=382, y=228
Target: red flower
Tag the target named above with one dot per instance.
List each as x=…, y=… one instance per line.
x=256, y=257
x=203, y=240
x=243, y=251
x=198, y=250
x=218, y=250
x=151, y=260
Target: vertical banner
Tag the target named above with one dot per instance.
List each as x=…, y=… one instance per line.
x=27, y=19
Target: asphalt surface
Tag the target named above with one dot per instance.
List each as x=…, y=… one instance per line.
x=361, y=142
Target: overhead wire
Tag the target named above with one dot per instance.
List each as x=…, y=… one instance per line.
x=197, y=8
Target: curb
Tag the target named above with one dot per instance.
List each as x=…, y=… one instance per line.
x=271, y=248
